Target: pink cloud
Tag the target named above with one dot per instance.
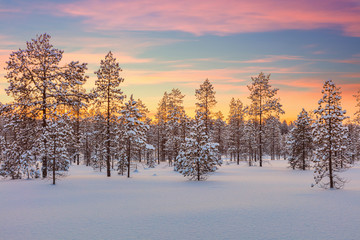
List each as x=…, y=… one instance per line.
x=351, y=75
x=95, y=58
x=217, y=17
x=351, y=61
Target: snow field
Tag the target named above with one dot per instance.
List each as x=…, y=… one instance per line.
x=236, y=202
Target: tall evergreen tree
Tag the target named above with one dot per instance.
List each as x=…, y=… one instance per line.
x=175, y=117
x=330, y=137
x=219, y=132
x=79, y=101
x=109, y=98
x=272, y=134
x=206, y=101
x=250, y=141
x=134, y=130
x=263, y=104
x=39, y=83
x=236, y=127
x=161, y=126
x=97, y=137
x=19, y=148
x=300, y=142
x=57, y=137
x=357, y=113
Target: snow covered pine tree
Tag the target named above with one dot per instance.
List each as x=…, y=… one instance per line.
x=300, y=142
x=263, y=103
x=40, y=84
x=330, y=137
x=134, y=130
x=198, y=156
x=108, y=97
x=236, y=128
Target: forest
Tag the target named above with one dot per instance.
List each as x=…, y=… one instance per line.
x=53, y=122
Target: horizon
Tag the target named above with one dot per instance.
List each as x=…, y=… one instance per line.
x=164, y=45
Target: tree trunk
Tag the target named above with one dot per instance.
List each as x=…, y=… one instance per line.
x=303, y=154
x=128, y=156
x=54, y=161
x=108, y=135
x=158, y=143
x=198, y=170
x=330, y=157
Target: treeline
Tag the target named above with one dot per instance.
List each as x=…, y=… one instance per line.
x=54, y=122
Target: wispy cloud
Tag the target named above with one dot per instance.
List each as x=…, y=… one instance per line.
x=216, y=17
x=93, y=58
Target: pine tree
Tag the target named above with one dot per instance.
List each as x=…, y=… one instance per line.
x=236, y=128
x=357, y=113
x=39, y=83
x=330, y=137
x=263, y=104
x=134, y=130
x=354, y=137
x=109, y=98
x=143, y=110
x=355, y=130
x=161, y=126
x=272, y=137
x=198, y=156
x=300, y=142
x=250, y=141
x=57, y=137
x=78, y=101
x=175, y=116
x=150, y=161
x=98, y=137
x=206, y=101
x=219, y=131
x=19, y=145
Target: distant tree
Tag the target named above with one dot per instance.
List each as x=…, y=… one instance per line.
x=18, y=145
x=273, y=137
x=300, y=142
x=161, y=119
x=175, y=118
x=206, y=101
x=354, y=138
x=250, y=141
x=57, y=137
x=109, y=98
x=150, y=161
x=40, y=84
x=357, y=113
x=263, y=104
x=219, y=131
x=79, y=102
x=330, y=137
x=97, y=137
x=236, y=127
x=134, y=130
x=284, y=128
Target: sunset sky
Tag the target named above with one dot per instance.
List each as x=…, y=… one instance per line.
x=165, y=44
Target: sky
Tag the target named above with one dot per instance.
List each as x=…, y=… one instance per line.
x=165, y=44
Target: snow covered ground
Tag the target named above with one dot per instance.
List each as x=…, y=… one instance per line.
x=237, y=202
